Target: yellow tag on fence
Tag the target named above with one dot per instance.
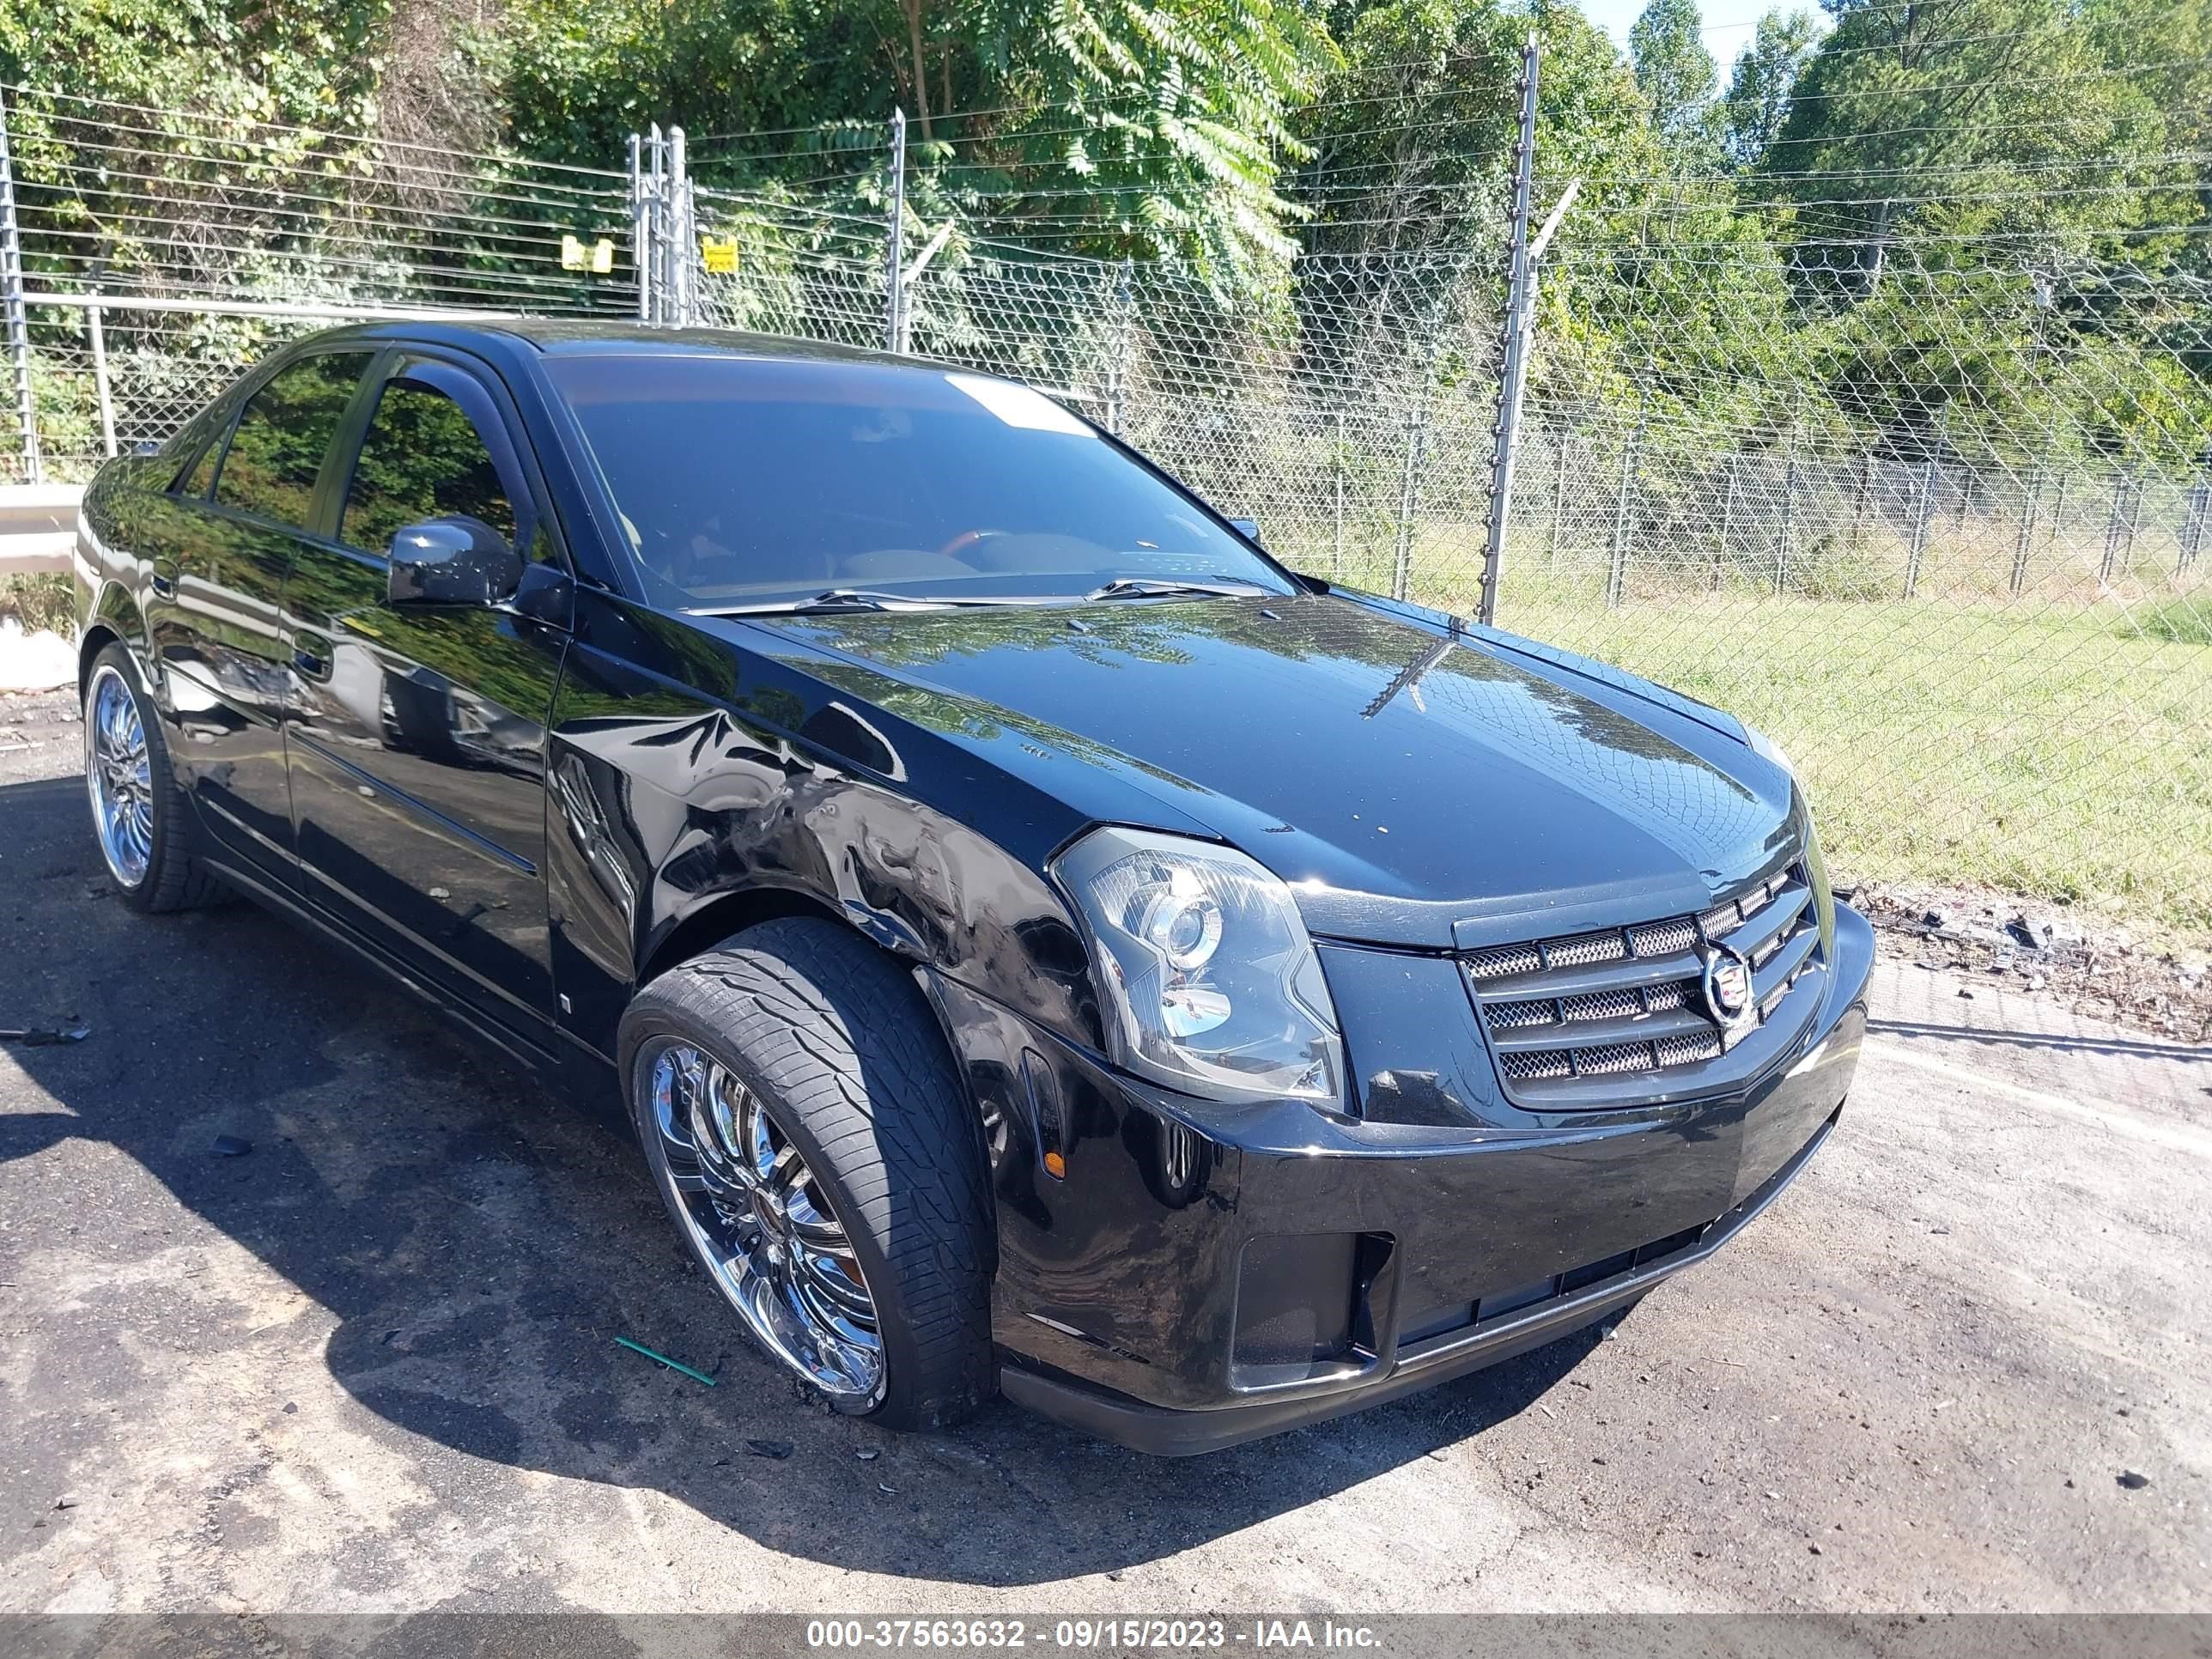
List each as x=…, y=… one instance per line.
x=599, y=258
x=720, y=255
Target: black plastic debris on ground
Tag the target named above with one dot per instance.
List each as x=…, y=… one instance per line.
x=41, y=1036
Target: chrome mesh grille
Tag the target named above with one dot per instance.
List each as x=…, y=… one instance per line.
x=1688, y=1050
x=1506, y=960
x=1622, y=1001
x=1540, y=1064
x=1601, y=1005
x=1660, y=938
x=1584, y=949
x=1505, y=1015
x=1614, y=1057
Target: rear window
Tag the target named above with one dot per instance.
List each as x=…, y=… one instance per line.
x=278, y=451
x=743, y=481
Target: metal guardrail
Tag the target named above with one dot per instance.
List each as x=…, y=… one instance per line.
x=38, y=526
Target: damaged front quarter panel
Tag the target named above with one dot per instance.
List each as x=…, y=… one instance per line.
x=699, y=785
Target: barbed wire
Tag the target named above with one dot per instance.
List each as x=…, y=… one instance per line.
x=41, y=93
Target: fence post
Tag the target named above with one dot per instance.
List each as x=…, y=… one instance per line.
x=1728, y=521
x=2028, y=515
x=2196, y=517
x=11, y=300
x=641, y=228
x=2115, y=524
x=895, y=236
x=1789, y=509
x=1117, y=369
x=100, y=383
x=656, y=224
x=683, y=246
x=1520, y=318
x=1616, y=575
x=1864, y=500
x=1558, y=499
x=1336, y=466
x=1409, y=489
x=1920, y=526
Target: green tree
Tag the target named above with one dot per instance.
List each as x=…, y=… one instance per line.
x=1412, y=142
x=1677, y=77
x=1758, y=98
x=2001, y=192
x=2005, y=120
x=1154, y=128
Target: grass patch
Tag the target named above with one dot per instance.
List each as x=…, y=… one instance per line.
x=2053, y=748
x=2178, y=621
x=2041, y=753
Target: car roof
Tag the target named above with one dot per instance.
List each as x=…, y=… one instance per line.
x=611, y=336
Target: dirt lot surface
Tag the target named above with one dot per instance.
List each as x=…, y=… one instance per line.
x=369, y=1364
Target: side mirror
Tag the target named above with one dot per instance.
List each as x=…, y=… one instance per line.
x=1249, y=529
x=456, y=560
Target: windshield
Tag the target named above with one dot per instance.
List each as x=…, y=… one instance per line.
x=742, y=482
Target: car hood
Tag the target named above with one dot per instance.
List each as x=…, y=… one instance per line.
x=1415, y=780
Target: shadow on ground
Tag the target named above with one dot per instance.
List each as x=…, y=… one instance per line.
x=479, y=1241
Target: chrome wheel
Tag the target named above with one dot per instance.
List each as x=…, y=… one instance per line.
x=119, y=777
x=761, y=1222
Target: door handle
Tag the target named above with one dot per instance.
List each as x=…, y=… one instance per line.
x=164, y=579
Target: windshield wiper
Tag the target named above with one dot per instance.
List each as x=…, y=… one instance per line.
x=846, y=599
x=1153, y=587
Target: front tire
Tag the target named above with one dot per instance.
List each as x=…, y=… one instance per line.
x=139, y=814
x=812, y=1141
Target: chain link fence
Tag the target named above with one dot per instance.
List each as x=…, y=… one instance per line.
x=1939, y=519
x=1966, y=583
x=163, y=252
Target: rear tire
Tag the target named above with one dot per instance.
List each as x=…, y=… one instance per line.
x=144, y=826
x=810, y=1137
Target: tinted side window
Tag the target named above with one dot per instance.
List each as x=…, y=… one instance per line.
x=195, y=482
x=423, y=458
x=283, y=435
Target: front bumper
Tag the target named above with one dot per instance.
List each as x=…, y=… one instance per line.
x=1202, y=1276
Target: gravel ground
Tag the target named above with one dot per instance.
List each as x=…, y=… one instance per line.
x=369, y=1364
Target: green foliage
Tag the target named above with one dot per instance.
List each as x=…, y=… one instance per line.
x=1182, y=111
x=2009, y=109
x=1758, y=99
x=1160, y=126
x=1676, y=76
x=242, y=59
x=2178, y=621
x=1412, y=142
x=1976, y=226
x=47, y=600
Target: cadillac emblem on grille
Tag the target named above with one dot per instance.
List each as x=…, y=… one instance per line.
x=1727, y=985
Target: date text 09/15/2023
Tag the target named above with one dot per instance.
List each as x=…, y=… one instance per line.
x=1115, y=1635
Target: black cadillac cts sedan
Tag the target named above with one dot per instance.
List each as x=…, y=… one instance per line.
x=1043, y=945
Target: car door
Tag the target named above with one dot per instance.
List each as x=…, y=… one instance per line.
x=418, y=741
x=219, y=545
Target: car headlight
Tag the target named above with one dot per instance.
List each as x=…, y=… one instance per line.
x=1209, y=983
